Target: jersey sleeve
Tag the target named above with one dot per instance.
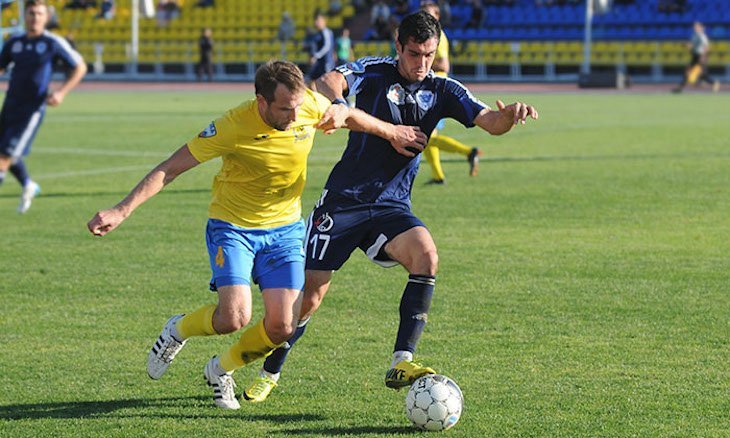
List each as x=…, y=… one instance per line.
x=355, y=74
x=5, y=58
x=314, y=106
x=66, y=53
x=214, y=141
x=460, y=104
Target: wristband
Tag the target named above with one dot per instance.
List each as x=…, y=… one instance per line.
x=340, y=100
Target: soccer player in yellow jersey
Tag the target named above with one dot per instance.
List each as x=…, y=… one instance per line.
x=255, y=228
x=439, y=142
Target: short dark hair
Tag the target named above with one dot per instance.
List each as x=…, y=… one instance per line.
x=273, y=73
x=419, y=26
x=30, y=3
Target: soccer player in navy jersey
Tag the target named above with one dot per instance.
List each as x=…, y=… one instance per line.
x=33, y=54
x=366, y=200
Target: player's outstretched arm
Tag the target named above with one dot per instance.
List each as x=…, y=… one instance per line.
x=56, y=97
x=406, y=140
x=501, y=121
x=107, y=220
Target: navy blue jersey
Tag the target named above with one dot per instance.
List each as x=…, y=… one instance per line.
x=33, y=60
x=322, y=48
x=370, y=170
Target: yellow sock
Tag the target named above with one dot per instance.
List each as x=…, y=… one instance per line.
x=432, y=155
x=254, y=344
x=448, y=144
x=198, y=323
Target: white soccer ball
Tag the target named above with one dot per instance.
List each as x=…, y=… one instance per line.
x=434, y=402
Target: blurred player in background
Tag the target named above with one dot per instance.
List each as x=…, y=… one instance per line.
x=439, y=142
x=699, y=47
x=321, y=48
x=33, y=54
x=255, y=227
x=366, y=202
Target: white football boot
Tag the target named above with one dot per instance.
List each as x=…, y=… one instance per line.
x=165, y=349
x=30, y=191
x=224, y=393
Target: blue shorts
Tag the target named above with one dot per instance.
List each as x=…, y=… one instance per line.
x=337, y=226
x=274, y=257
x=17, y=131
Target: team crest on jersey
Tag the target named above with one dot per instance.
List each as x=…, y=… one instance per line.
x=396, y=94
x=324, y=223
x=425, y=99
x=17, y=47
x=355, y=67
x=41, y=47
x=208, y=132
x=300, y=133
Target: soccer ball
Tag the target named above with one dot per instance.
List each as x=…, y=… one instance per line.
x=434, y=402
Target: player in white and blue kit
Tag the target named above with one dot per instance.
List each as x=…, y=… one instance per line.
x=32, y=54
x=366, y=201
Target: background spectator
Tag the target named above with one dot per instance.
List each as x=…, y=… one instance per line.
x=343, y=47
x=205, y=44
x=286, y=28
x=52, y=19
x=477, y=14
x=107, y=10
x=380, y=20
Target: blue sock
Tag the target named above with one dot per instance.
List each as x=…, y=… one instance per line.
x=20, y=172
x=414, y=307
x=275, y=361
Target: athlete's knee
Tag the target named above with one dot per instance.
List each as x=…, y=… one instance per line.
x=279, y=331
x=425, y=261
x=231, y=320
x=315, y=288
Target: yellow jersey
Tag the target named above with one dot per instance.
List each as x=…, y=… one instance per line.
x=442, y=51
x=262, y=177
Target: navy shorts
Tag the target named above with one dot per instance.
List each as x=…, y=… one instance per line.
x=337, y=226
x=17, y=131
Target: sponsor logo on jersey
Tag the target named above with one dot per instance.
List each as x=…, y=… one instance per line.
x=425, y=99
x=396, y=94
x=324, y=223
x=17, y=47
x=208, y=132
x=261, y=137
x=41, y=47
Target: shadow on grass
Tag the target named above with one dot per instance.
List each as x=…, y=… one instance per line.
x=149, y=408
x=355, y=430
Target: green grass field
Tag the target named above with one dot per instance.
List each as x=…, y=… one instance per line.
x=583, y=284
